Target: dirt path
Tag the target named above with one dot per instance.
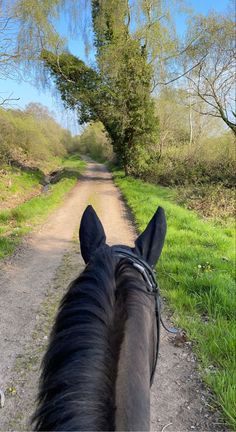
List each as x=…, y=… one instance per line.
x=32, y=283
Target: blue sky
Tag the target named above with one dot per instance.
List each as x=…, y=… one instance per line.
x=28, y=93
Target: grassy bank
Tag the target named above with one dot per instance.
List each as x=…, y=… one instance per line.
x=196, y=275
x=17, y=186
x=20, y=220
x=213, y=201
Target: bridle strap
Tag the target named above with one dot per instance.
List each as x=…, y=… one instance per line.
x=140, y=264
x=148, y=274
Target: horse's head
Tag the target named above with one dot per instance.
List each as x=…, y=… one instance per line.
x=103, y=348
x=137, y=296
x=148, y=245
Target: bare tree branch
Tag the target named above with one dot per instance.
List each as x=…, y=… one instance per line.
x=181, y=75
x=7, y=100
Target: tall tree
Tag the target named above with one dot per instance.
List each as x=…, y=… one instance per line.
x=118, y=91
x=27, y=26
x=212, y=81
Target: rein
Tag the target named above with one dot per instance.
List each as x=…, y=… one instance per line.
x=148, y=274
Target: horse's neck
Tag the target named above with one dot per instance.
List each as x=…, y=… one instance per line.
x=133, y=379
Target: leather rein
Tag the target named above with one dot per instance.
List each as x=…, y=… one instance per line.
x=149, y=277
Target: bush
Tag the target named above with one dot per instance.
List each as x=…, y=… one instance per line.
x=95, y=142
x=169, y=171
x=31, y=135
x=211, y=201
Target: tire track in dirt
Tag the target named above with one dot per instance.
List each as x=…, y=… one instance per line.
x=33, y=281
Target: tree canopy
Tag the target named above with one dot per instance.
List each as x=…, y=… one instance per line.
x=118, y=91
x=213, y=79
x=137, y=52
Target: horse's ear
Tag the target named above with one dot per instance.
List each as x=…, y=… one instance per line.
x=150, y=243
x=91, y=233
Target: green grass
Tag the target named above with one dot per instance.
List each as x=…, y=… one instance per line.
x=73, y=161
x=196, y=274
x=15, y=183
x=20, y=220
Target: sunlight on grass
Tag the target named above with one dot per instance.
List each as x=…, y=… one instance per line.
x=196, y=274
x=16, y=184
x=20, y=220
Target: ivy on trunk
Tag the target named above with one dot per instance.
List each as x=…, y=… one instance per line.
x=118, y=91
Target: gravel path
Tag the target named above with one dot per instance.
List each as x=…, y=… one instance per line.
x=31, y=284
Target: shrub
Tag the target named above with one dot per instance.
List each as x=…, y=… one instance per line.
x=31, y=135
x=169, y=171
x=95, y=142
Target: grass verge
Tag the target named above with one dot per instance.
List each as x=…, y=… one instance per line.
x=16, y=222
x=17, y=185
x=196, y=274
x=212, y=201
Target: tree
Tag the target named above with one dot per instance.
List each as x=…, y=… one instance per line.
x=173, y=118
x=8, y=54
x=95, y=142
x=27, y=26
x=30, y=135
x=118, y=92
x=212, y=81
x=133, y=36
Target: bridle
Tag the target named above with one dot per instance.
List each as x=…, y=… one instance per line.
x=149, y=277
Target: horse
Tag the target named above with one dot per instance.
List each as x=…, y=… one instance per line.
x=100, y=362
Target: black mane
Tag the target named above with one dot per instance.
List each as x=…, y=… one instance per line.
x=77, y=390
x=78, y=380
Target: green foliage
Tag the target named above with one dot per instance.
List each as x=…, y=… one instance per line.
x=95, y=142
x=18, y=221
x=71, y=143
x=153, y=22
x=31, y=135
x=16, y=185
x=214, y=201
x=196, y=274
x=78, y=84
x=173, y=170
x=192, y=149
x=25, y=27
x=118, y=92
x=173, y=119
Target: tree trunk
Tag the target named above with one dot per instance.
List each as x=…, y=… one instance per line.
x=231, y=125
x=126, y=168
x=190, y=124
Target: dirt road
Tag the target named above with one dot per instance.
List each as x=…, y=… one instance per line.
x=33, y=281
